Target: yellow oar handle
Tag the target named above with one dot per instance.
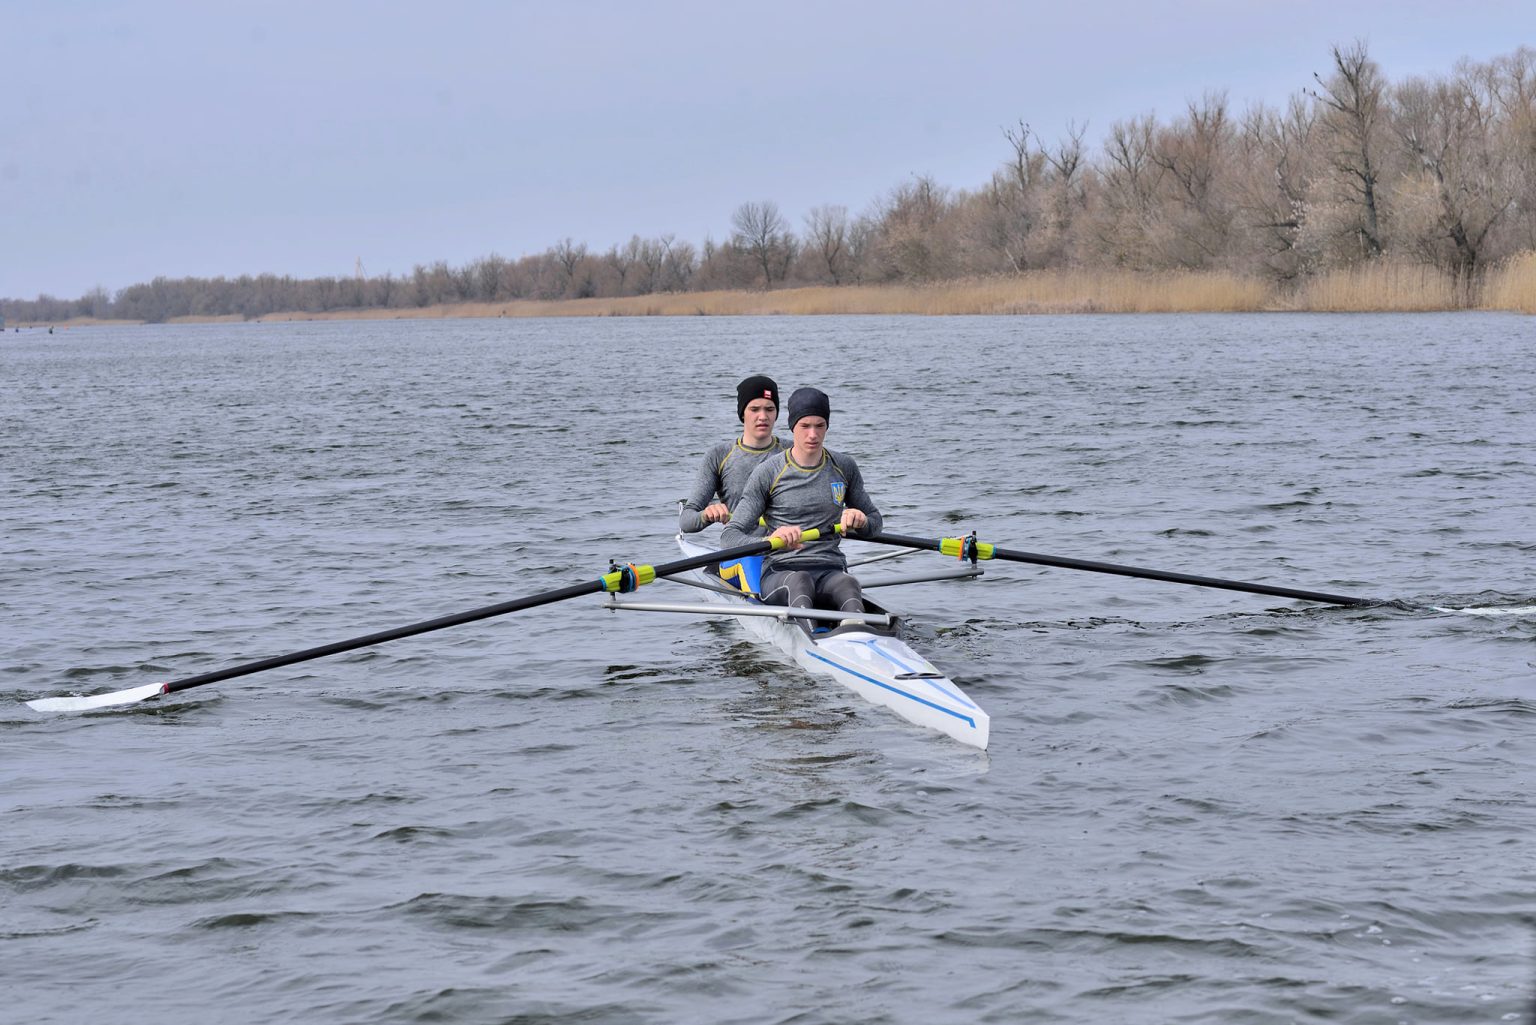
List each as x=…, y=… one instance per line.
x=805, y=535
x=957, y=546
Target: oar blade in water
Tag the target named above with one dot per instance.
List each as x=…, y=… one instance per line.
x=1519, y=610
x=614, y=580
x=77, y=703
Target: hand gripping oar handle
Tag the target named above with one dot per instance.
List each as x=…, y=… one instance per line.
x=970, y=548
x=618, y=579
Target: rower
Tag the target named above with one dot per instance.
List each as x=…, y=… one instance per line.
x=808, y=486
x=728, y=465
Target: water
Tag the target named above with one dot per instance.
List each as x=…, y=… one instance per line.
x=1198, y=805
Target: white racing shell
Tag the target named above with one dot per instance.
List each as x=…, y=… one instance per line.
x=876, y=665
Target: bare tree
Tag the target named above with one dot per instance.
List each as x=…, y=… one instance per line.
x=487, y=276
x=1013, y=199
x=1129, y=182
x=1067, y=158
x=576, y=272
x=914, y=241
x=96, y=303
x=1066, y=196
x=826, y=235
x=1355, y=121
x=679, y=264
x=1026, y=164
x=431, y=286
x=1515, y=89
x=652, y=258
x=1450, y=128
x=763, y=233
x=1276, y=149
x=1025, y=216
x=622, y=260
x=569, y=255
x=863, y=236
x=1194, y=154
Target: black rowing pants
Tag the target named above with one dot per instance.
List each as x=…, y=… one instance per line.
x=800, y=589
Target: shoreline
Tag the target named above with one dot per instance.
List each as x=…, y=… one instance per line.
x=1381, y=288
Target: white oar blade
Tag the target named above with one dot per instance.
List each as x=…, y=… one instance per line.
x=90, y=701
x=1523, y=610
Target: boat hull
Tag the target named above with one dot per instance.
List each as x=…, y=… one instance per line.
x=878, y=666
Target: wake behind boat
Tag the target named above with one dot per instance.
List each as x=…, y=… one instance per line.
x=868, y=658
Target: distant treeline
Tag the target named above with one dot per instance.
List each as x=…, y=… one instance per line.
x=1436, y=171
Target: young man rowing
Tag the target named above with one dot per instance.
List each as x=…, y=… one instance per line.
x=806, y=487
x=728, y=465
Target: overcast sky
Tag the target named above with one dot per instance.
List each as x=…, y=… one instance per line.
x=203, y=139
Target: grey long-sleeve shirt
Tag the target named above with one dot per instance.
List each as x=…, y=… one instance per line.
x=725, y=471
x=782, y=492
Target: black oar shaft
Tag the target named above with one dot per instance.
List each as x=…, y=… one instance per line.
x=337, y=647
x=485, y=612
x=1034, y=558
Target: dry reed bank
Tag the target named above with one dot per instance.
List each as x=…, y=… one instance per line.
x=1371, y=288
x=1374, y=288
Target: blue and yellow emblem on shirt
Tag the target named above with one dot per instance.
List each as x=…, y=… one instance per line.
x=839, y=491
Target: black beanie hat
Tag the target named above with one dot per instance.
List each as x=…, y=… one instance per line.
x=753, y=388
x=809, y=402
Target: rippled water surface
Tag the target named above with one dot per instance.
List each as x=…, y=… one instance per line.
x=1198, y=805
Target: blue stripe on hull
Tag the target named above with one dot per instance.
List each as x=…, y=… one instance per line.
x=894, y=690
x=878, y=649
